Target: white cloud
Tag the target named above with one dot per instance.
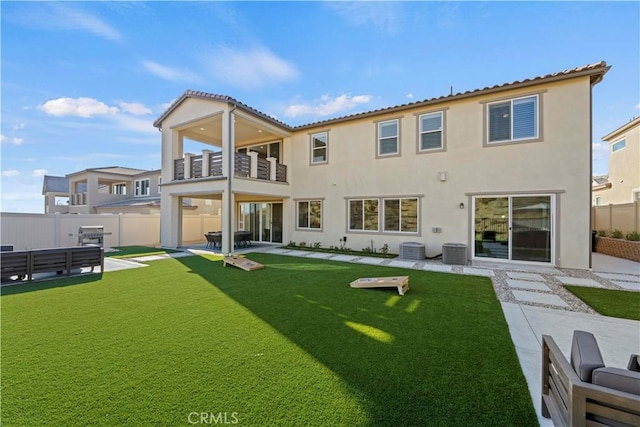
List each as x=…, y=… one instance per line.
x=410, y=95
x=18, y=126
x=79, y=107
x=250, y=69
x=136, y=124
x=638, y=106
x=600, y=150
x=171, y=74
x=39, y=172
x=13, y=140
x=73, y=19
x=135, y=108
x=385, y=16
x=327, y=106
x=11, y=172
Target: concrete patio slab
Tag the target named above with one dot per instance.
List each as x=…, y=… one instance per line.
x=540, y=298
x=478, y=271
x=438, y=268
x=619, y=276
x=346, y=258
x=525, y=276
x=320, y=255
x=578, y=281
x=372, y=260
x=402, y=264
x=610, y=264
x=524, y=284
x=631, y=286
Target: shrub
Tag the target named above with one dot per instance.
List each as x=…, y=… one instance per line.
x=317, y=245
x=634, y=236
x=292, y=243
x=384, y=249
x=367, y=250
x=302, y=244
x=616, y=234
x=602, y=233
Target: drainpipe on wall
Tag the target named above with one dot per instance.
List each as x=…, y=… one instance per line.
x=230, y=236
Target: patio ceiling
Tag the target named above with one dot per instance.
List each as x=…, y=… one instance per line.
x=248, y=131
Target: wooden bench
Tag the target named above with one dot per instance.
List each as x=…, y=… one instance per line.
x=59, y=260
x=570, y=401
x=14, y=264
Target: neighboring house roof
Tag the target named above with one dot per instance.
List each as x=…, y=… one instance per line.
x=138, y=202
x=596, y=71
x=55, y=184
x=600, y=182
x=632, y=123
x=120, y=170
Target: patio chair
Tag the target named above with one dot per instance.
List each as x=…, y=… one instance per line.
x=210, y=241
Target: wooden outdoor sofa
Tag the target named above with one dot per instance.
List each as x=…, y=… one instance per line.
x=582, y=391
x=27, y=263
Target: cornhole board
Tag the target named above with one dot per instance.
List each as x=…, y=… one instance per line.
x=400, y=282
x=243, y=263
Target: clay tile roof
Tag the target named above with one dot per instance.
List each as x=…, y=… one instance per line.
x=596, y=71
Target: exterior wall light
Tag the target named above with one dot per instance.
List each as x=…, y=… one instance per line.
x=461, y=205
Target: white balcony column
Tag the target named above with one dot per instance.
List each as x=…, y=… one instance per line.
x=187, y=165
x=206, y=162
x=228, y=202
x=253, y=166
x=272, y=167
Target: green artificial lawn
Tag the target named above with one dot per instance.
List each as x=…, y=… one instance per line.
x=138, y=251
x=609, y=302
x=291, y=344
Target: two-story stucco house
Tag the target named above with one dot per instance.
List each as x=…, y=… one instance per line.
x=505, y=170
x=622, y=185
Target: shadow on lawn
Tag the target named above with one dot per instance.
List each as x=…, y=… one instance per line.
x=51, y=282
x=441, y=354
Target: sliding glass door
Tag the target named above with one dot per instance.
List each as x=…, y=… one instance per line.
x=517, y=228
x=263, y=220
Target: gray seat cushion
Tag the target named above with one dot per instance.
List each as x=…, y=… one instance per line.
x=618, y=379
x=585, y=355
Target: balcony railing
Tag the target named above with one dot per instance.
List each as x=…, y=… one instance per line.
x=242, y=164
x=78, y=199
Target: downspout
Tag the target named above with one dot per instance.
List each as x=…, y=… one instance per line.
x=230, y=237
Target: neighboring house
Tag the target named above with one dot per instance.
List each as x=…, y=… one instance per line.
x=487, y=168
x=55, y=190
x=112, y=189
x=622, y=185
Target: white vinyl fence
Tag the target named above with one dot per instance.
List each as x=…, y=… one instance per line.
x=624, y=217
x=34, y=231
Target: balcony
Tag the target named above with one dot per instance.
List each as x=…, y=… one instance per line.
x=209, y=164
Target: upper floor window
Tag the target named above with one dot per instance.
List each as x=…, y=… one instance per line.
x=617, y=146
x=388, y=137
x=513, y=120
x=310, y=214
x=319, y=147
x=141, y=187
x=431, y=131
x=363, y=215
x=264, y=151
x=119, y=188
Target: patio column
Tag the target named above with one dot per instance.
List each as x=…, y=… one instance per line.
x=170, y=220
x=205, y=162
x=228, y=214
x=272, y=167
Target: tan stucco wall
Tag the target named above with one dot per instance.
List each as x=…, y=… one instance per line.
x=354, y=171
x=624, y=169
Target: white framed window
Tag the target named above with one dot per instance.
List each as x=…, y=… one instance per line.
x=513, y=120
x=596, y=201
x=388, y=143
x=431, y=130
x=619, y=145
x=119, y=188
x=400, y=215
x=319, y=148
x=159, y=184
x=141, y=187
x=309, y=214
x=363, y=215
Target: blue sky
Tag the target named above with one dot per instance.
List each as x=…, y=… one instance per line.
x=82, y=82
